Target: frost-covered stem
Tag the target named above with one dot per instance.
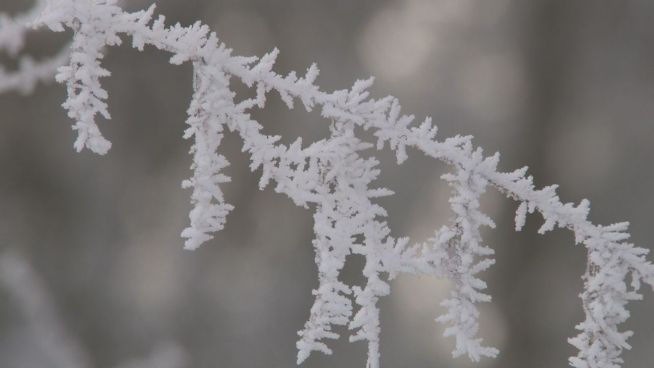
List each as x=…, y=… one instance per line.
x=332, y=305
x=93, y=26
x=31, y=72
x=377, y=245
x=13, y=30
x=207, y=116
x=605, y=296
x=466, y=257
x=345, y=215
x=25, y=287
x=366, y=320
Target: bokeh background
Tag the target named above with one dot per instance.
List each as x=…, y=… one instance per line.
x=565, y=87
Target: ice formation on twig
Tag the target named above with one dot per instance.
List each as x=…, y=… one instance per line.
x=13, y=31
x=331, y=177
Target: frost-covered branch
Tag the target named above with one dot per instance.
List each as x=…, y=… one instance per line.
x=31, y=72
x=606, y=294
x=466, y=256
x=333, y=178
x=207, y=117
x=13, y=31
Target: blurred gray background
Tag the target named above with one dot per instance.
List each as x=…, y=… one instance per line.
x=565, y=87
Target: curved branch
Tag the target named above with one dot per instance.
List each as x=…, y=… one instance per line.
x=297, y=170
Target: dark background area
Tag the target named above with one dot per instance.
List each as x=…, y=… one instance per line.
x=565, y=87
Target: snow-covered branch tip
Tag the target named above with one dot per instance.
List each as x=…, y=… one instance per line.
x=333, y=179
